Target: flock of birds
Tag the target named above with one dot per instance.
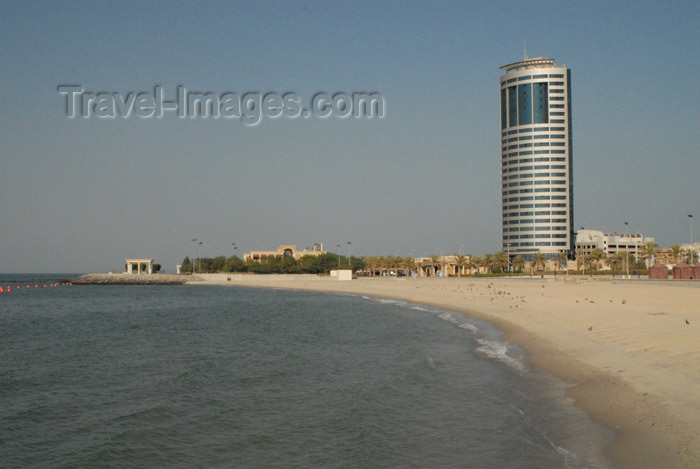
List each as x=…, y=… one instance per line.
x=473, y=286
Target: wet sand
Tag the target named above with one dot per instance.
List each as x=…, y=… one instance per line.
x=630, y=348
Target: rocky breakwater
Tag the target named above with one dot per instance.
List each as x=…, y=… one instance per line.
x=132, y=279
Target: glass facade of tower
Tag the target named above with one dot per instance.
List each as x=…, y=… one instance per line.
x=536, y=159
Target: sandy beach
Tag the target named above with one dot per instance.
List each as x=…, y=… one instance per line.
x=630, y=349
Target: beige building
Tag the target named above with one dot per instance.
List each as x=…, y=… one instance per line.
x=611, y=243
x=284, y=250
x=444, y=266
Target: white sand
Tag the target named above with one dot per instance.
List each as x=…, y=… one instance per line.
x=626, y=345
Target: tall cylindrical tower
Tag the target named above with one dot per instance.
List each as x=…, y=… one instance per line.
x=537, y=192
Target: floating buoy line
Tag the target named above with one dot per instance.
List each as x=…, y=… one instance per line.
x=20, y=288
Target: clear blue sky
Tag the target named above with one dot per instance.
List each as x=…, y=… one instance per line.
x=81, y=195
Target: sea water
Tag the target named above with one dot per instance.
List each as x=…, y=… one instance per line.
x=214, y=376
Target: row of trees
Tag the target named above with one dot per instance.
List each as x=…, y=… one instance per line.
x=371, y=266
x=628, y=260
x=461, y=264
x=686, y=255
x=322, y=264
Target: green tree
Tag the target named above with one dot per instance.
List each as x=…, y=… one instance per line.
x=235, y=264
x=519, y=263
x=289, y=265
x=461, y=261
x=409, y=265
x=676, y=251
x=481, y=263
x=626, y=260
x=538, y=261
x=561, y=260
x=488, y=261
x=649, y=251
x=393, y=263
x=371, y=263
x=610, y=261
x=434, y=262
x=690, y=256
x=500, y=260
x=595, y=257
x=186, y=265
x=309, y=264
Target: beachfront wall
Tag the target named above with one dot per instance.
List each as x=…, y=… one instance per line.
x=658, y=271
x=683, y=271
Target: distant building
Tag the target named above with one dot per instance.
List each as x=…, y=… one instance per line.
x=284, y=250
x=666, y=257
x=444, y=266
x=139, y=265
x=537, y=192
x=611, y=243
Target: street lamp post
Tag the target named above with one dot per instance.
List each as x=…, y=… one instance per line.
x=508, y=249
x=349, y=255
x=627, y=250
x=338, y=246
x=690, y=215
x=199, y=264
x=233, y=260
x=194, y=246
x=583, y=255
x=692, y=246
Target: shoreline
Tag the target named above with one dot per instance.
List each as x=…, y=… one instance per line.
x=624, y=346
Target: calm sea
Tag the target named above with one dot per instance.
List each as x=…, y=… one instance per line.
x=207, y=376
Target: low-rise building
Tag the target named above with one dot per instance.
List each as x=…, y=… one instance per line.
x=610, y=243
x=444, y=266
x=284, y=250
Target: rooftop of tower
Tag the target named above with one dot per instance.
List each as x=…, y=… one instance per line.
x=529, y=63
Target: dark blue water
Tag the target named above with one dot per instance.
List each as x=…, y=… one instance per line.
x=206, y=376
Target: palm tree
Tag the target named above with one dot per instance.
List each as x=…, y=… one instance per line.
x=394, y=263
x=371, y=264
x=381, y=263
x=538, y=261
x=488, y=261
x=691, y=256
x=626, y=257
x=409, y=263
x=676, y=251
x=391, y=263
x=471, y=264
x=619, y=259
x=561, y=259
x=461, y=261
x=610, y=262
x=484, y=262
x=476, y=264
x=580, y=256
x=519, y=263
x=649, y=251
x=434, y=259
x=596, y=256
x=501, y=260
